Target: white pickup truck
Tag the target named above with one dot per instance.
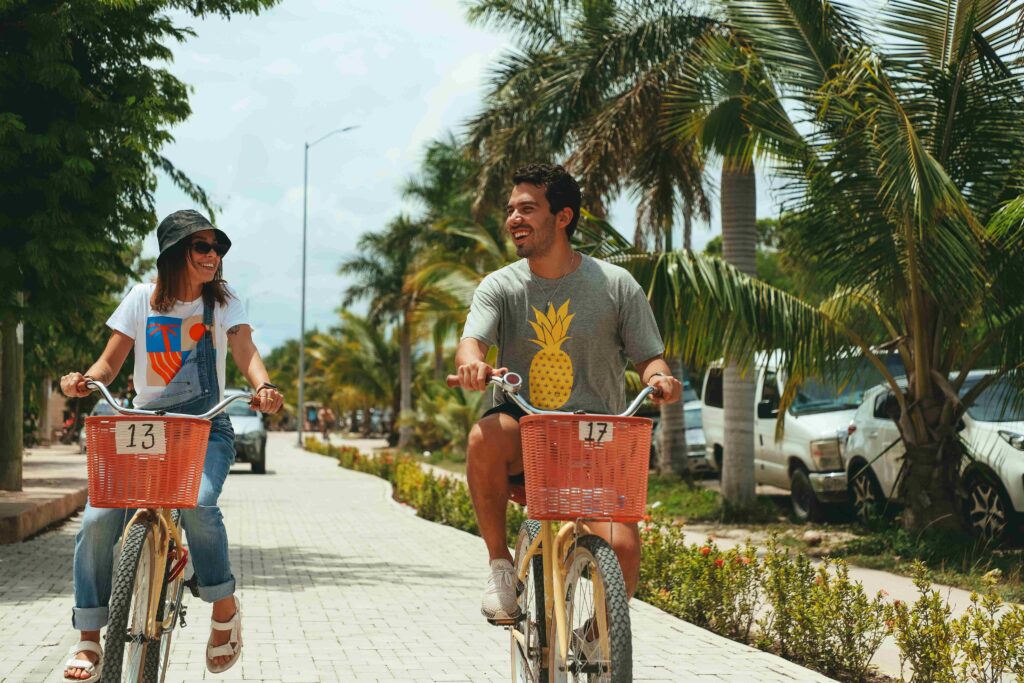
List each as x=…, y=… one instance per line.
x=808, y=461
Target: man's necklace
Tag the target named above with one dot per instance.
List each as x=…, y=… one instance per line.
x=558, y=285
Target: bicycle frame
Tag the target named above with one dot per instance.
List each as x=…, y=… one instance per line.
x=552, y=546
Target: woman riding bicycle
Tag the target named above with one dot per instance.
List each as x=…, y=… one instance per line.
x=180, y=328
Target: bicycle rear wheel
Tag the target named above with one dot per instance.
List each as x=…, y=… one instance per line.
x=529, y=634
x=595, y=655
x=126, y=643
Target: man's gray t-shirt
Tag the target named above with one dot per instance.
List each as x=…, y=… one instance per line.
x=569, y=340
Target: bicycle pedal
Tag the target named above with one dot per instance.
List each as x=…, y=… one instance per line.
x=181, y=615
x=505, y=621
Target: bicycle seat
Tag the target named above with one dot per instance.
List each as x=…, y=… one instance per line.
x=517, y=488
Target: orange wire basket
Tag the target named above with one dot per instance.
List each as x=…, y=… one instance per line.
x=590, y=466
x=145, y=462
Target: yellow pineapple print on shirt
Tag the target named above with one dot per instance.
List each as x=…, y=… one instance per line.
x=551, y=368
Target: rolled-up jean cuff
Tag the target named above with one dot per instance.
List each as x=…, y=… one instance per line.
x=218, y=592
x=89, y=618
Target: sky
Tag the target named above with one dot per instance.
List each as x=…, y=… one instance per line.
x=404, y=72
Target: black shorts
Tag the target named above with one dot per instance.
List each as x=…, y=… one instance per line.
x=518, y=413
x=508, y=408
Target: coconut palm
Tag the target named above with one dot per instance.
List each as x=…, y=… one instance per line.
x=907, y=171
x=384, y=261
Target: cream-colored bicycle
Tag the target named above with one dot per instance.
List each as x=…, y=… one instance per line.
x=151, y=461
x=574, y=620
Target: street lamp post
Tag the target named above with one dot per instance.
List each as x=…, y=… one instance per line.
x=301, y=408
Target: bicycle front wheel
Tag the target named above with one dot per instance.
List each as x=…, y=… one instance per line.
x=596, y=654
x=126, y=641
x=529, y=634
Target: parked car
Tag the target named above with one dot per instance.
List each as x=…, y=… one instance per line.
x=808, y=461
x=695, y=451
x=993, y=430
x=250, y=434
x=101, y=408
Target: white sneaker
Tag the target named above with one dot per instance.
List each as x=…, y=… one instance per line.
x=499, y=602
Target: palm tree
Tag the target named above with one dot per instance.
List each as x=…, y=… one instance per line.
x=907, y=174
x=386, y=259
x=359, y=361
x=588, y=85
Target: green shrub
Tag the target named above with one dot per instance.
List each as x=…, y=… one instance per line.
x=925, y=635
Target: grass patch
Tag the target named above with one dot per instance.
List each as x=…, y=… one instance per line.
x=682, y=499
x=951, y=560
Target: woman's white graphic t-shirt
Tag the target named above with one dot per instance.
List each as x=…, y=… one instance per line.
x=163, y=341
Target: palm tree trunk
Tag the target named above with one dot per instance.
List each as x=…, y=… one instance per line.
x=739, y=246
x=11, y=408
x=405, y=381
x=672, y=456
x=687, y=227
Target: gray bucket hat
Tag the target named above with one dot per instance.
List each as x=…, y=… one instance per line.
x=180, y=225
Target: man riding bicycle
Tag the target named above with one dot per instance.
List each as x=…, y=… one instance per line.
x=569, y=322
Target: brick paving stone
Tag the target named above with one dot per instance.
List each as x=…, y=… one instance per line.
x=339, y=583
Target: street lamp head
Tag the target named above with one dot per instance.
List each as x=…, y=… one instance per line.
x=333, y=132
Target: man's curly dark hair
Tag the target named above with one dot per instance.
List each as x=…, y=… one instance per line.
x=560, y=189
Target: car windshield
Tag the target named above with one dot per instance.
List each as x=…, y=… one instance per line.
x=816, y=397
x=1001, y=402
x=692, y=417
x=241, y=409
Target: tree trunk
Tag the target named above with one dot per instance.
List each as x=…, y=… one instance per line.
x=405, y=383
x=43, y=419
x=11, y=403
x=440, y=367
x=739, y=247
x=687, y=228
x=672, y=456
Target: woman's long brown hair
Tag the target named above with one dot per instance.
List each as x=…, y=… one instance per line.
x=172, y=276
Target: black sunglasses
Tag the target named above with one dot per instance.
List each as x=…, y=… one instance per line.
x=201, y=247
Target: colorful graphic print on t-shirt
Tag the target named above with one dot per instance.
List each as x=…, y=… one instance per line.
x=167, y=348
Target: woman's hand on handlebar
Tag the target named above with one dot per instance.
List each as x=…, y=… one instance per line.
x=267, y=400
x=73, y=385
x=474, y=375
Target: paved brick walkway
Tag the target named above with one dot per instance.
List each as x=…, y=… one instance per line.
x=339, y=583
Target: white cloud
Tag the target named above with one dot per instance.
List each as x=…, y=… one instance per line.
x=282, y=67
x=241, y=105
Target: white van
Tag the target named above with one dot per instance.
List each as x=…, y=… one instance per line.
x=808, y=462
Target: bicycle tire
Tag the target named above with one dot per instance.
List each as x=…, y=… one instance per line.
x=532, y=626
x=591, y=559
x=131, y=582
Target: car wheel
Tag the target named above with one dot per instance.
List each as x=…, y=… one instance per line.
x=987, y=509
x=806, y=506
x=259, y=463
x=866, y=496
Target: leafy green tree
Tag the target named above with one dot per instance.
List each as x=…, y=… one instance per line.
x=85, y=108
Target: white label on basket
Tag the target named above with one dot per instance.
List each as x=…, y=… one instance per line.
x=133, y=437
x=597, y=432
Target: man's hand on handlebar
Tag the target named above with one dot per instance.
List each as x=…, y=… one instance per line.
x=669, y=389
x=73, y=385
x=474, y=375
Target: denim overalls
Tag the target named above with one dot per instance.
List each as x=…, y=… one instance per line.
x=193, y=391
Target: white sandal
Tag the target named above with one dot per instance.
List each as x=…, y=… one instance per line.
x=93, y=669
x=234, y=645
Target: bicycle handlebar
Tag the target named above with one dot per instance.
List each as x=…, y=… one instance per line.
x=95, y=385
x=510, y=383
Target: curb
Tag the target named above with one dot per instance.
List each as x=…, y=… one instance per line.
x=19, y=520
